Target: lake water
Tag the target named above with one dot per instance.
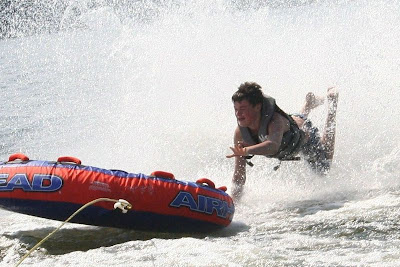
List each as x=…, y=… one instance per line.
x=146, y=86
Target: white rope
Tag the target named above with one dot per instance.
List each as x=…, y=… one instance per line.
x=120, y=204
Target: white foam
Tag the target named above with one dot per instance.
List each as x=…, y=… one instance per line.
x=144, y=96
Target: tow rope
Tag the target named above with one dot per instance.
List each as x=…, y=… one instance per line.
x=121, y=204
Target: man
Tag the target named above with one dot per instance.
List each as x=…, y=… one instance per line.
x=264, y=129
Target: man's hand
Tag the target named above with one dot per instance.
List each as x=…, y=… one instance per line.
x=238, y=151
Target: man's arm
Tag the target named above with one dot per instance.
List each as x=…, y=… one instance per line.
x=278, y=126
x=270, y=147
x=239, y=175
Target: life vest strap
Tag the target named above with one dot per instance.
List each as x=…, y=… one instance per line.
x=286, y=159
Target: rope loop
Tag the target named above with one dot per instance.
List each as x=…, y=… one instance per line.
x=121, y=204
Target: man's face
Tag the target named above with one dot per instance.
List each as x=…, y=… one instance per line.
x=246, y=114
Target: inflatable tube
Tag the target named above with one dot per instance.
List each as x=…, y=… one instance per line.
x=55, y=190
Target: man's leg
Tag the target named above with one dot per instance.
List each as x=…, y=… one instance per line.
x=318, y=151
x=328, y=137
x=312, y=101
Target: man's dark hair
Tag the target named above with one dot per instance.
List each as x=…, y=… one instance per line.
x=249, y=91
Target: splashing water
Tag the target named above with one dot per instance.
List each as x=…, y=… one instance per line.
x=146, y=85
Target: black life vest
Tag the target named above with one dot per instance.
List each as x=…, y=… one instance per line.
x=292, y=140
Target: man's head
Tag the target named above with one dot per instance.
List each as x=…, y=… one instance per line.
x=247, y=101
x=249, y=91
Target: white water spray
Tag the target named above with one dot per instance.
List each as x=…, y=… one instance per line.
x=152, y=92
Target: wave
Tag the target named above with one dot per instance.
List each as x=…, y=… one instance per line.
x=29, y=17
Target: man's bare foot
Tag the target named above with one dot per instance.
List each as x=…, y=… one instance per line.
x=313, y=101
x=332, y=94
x=332, y=97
